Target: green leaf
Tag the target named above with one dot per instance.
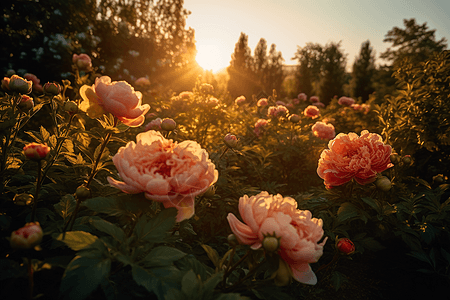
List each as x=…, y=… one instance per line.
x=190, y=284
x=109, y=228
x=156, y=280
x=372, y=203
x=189, y=262
x=347, y=211
x=163, y=256
x=155, y=230
x=143, y=278
x=65, y=206
x=45, y=134
x=212, y=254
x=104, y=205
x=82, y=277
x=77, y=240
x=11, y=269
x=210, y=284
x=33, y=135
x=371, y=244
x=337, y=279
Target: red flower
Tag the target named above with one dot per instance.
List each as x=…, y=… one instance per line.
x=345, y=246
x=27, y=237
x=351, y=156
x=36, y=151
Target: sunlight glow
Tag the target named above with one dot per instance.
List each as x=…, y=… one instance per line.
x=211, y=57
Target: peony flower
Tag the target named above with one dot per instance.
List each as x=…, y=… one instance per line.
x=345, y=246
x=323, y=130
x=277, y=111
x=294, y=118
x=314, y=99
x=346, y=101
x=311, y=111
x=296, y=101
x=82, y=61
x=35, y=151
x=230, y=140
x=298, y=233
x=142, y=81
x=117, y=97
x=52, y=88
x=20, y=85
x=303, y=97
x=186, y=95
x=153, y=124
x=259, y=126
x=262, y=102
x=239, y=101
x=168, y=124
x=365, y=108
x=166, y=171
x=25, y=103
x=351, y=156
x=37, y=87
x=27, y=237
x=318, y=104
x=213, y=101
x=279, y=102
x=206, y=88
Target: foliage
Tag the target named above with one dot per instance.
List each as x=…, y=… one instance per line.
x=362, y=72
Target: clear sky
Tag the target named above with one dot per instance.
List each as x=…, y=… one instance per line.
x=292, y=23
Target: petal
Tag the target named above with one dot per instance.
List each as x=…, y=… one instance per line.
x=158, y=186
x=244, y=233
x=132, y=122
x=123, y=186
x=303, y=273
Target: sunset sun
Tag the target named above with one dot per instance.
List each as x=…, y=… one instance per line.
x=211, y=57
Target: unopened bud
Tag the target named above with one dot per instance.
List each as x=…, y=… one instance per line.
x=211, y=191
x=71, y=107
x=5, y=83
x=406, y=159
x=20, y=85
x=439, y=178
x=25, y=103
x=345, y=246
x=52, y=88
x=383, y=183
x=23, y=199
x=35, y=151
x=82, y=192
x=395, y=158
x=270, y=244
x=168, y=124
x=27, y=237
x=294, y=118
x=232, y=240
x=230, y=140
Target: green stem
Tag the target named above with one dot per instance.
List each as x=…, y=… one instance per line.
x=38, y=187
x=53, y=106
x=249, y=274
x=230, y=259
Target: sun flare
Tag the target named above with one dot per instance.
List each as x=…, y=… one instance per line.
x=211, y=57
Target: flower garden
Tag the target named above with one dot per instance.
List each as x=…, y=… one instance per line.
x=110, y=192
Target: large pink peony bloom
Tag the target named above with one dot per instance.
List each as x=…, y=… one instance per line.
x=323, y=130
x=311, y=111
x=166, y=171
x=346, y=101
x=352, y=156
x=298, y=232
x=117, y=97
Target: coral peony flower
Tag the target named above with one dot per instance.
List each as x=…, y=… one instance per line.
x=272, y=215
x=311, y=111
x=206, y=88
x=259, y=126
x=314, y=99
x=37, y=87
x=142, y=81
x=277, y=111
x=168, y=172
x=262, y=102
x=186, y=95
x=352, y=156
x=36, y=151
x=346, y=101
x=117, y=97
x=230, y=140
x=153, y=124
x=302, y=97
x=82, y=61
x=27, y=237
x=323, y=130
x=239, y=101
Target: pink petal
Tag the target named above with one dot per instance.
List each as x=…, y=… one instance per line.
x=243, y=232
x=123, y=186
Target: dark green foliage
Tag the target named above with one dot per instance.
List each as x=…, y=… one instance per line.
x=363, y=72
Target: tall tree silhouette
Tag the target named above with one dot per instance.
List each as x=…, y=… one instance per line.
x=309, y=64
x=332, y=72
x=240, y=69
x=362, y=72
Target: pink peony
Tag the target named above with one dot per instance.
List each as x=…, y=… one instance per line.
x=279, y=102
x=302, y=97
x=351, y=156
x=27, y=237
x=272, y=215
x=277, y=111
x=262, y=102
x=323, y=130
x=346, y=101
x=35, y=151
x=37, y=87
x=318, y=104
x=239, y=101
x=153, y=125
x=311, y=111
x=186, y=95
x=142, y=81
x=82, y=61
x=117, y=97
x=259, y=126
x=166, y=171
x=314, y=99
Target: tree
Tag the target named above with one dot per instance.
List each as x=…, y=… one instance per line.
x=275, y=75
x=415, y=42
x=363, y=72
x=332, y=72
x=240, y=69
x=309, y=64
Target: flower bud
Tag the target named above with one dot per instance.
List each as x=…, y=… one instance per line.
x=211, y=191
x=345, y=246
x=52, y=88
x=439, y=178
x=82, y=62
x=395, y=158
x=35, y=151
x=20, y=85
x=294, y=118
x=23, y=199
x=230, y=140
x=25, y=103
x=5, y=83
x=232, y=240
x=383, y=183
x=282, y=276
x=27, y=237
x=270, y=244
x=82, y=192
x=71, y=107
x=406, y=159
x=168, y=124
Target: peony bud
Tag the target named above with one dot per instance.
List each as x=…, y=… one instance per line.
x=439, y=178
x=5, y=83
x=406, y=159
x=395, y=158
x=294, y=118
x=230, y=140
x=168, y=124
x=270, y=244
x=20, y=85
x=52, y=88
x=23, y=199
x=282, y=276
x=345, y=246
x=71, y=107
x=27, y=237
x=35, y=151
x=383, y=183
x=82, y=192
x=232, y=240
x=211, y=191
x=25, y=103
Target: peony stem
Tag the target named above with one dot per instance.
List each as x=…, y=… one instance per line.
x=227, y=270
x=249, y=274
x=36, y=194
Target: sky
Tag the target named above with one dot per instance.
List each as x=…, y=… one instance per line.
x=290, y=24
